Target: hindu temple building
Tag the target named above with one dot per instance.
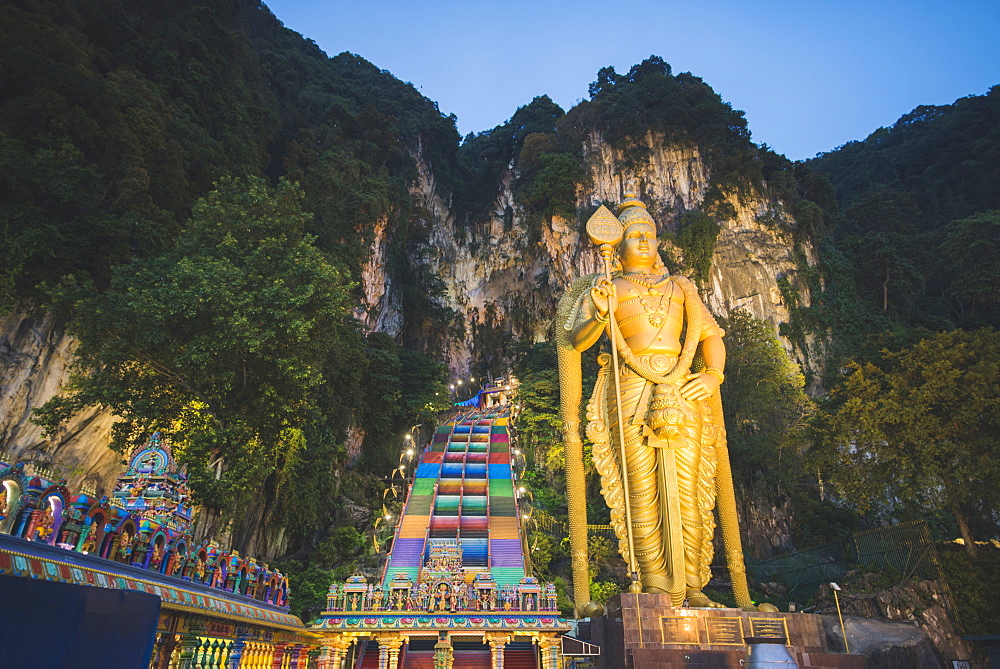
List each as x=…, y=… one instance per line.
x=210, y=606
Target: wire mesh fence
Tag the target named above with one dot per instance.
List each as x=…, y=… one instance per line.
x=545, y=522
x=900, y=552
x=802, y=572
x=906, y=548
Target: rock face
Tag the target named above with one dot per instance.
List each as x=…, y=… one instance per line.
x=922, y=605
x=503, y=266
x=501, y=270
x=885, y=645
x=765, y=521
x=35, y=357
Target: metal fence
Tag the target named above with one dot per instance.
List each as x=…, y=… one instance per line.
x=901, y=552
x=802, y=572
x=906, y=548
x=545, y=522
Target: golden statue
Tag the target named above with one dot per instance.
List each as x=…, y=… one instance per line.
x=657, y=410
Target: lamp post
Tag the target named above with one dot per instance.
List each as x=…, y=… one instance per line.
x=843, y=630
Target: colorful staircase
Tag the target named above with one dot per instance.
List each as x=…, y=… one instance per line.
x=368, y=659
x=463, y=493
x=456, y=572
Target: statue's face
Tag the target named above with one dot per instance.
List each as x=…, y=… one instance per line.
x=639, y=247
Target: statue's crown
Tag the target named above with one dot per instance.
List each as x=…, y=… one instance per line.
x=632, y=210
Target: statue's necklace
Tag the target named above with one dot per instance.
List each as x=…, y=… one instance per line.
x=656, y=301
x=647, y=280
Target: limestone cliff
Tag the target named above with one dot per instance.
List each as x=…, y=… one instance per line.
x=501, y=274
x=495, y=266
x=35, y=357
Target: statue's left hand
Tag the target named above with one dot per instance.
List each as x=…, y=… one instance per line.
x=699, y=386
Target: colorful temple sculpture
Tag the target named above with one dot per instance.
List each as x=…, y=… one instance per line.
x=456, y=589
x=215, y=604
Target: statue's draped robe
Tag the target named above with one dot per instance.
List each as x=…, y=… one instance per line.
x=671, y=472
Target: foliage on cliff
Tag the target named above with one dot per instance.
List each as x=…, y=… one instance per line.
x=682, y=107
x=237, y=344
x=946, y=157
x=973, y=585
x=116, y=117
x=920, y=228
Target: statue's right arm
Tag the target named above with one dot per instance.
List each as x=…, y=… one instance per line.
x=593, y=316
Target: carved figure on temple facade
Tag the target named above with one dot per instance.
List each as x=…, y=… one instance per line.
x=44, y=527
x=90, y=541
x=157, y=559
x=124, y=548
x=139, y=487
x=655, y=415
x=422, y=596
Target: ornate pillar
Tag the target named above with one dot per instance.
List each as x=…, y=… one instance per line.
x=191, y=643
x=549, y=650
x=239, y=645
x=278, y=655
x=394, y=645
x=299, y=656
x=163, y=649
x=388, y=650
x=497, y=644
x=33, y=521
x=444, y=654
x=325, y=658
x=334, y=652
x=383, y=655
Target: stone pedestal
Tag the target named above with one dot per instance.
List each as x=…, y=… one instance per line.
x=645, y=632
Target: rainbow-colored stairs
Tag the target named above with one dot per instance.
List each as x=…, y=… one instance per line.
x=463, y=493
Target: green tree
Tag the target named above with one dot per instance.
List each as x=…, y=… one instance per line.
x=219, y=342
x=764, y=399
x=972, y=246
x=920, y=427
x=882, y=227
x=540, y=423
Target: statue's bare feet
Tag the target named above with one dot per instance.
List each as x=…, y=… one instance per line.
x=698, y=600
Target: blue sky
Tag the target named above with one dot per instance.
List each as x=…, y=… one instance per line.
x=810, y=74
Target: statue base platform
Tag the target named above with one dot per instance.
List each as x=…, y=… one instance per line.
x=644, y=632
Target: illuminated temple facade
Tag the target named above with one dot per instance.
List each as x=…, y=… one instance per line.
x=217, y=608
